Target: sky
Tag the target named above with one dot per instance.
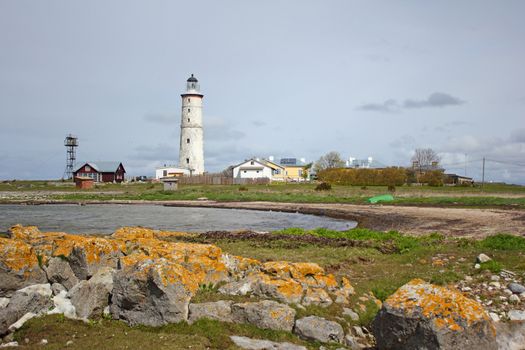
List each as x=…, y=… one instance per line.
x=296, y=78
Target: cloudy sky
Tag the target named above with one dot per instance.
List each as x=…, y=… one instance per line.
x=282, y=78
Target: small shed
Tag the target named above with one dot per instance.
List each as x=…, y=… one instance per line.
x=170, y=183
x=84, y=183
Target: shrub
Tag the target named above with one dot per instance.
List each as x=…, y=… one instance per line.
x=503, y=242
x=364, y=177
x=243, y=188
x=491, y=265
x=323, y=186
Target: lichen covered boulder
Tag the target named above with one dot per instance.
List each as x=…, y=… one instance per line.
x=319, y=329
x=220, y=311
x=91, y=297
x=420, y=315
x=265, y=314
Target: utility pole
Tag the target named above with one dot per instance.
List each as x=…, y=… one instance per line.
x=465, y=164
x=483, y=174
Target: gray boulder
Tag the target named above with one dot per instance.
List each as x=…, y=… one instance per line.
x=264, y=314
x=142, y=295
x=510, y=335
x=59, y=271
x=19, y=267
x=424, y=316
x=35, y=299
x=317, y=328
x=3, y=302
x=57, y=288
x=483, y=258
x=241, y=287
x=516, y=315
x=84, y=267
x=220, y=311
x=260, y=344
x=516, y=288
x=91, y=297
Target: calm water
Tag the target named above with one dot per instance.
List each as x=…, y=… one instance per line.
x=108, y=217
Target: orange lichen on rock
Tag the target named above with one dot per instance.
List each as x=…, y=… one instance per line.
x=447, y=307
x=16, y=255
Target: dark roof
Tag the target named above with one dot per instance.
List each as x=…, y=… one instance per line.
x=192, y=79
x=101, y=167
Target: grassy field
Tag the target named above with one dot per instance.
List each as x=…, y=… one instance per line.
x=375, y=262
x=492, y=195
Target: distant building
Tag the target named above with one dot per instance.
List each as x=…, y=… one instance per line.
x=255, y=168
x=455, y=179
x=170, y=171
x=294, y=170
x=368, y=163
x=101, y=171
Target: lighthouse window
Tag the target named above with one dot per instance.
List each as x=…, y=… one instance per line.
x=187, y=140
x=188, y=110
x=187, y=160
x=188, y=120
x=189, y=100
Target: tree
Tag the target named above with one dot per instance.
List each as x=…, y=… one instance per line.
x=329, y=160
x=425, y=157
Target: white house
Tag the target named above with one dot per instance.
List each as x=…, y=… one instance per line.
x=169, y=171
x=256, y=169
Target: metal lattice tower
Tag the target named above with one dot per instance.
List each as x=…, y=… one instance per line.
x=71, y=143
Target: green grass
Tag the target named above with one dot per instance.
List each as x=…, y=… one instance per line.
x=503, y=242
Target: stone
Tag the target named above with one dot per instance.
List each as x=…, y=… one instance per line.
x=483, y=258
x=63, y=306
x=152, y=293
x=12, y=344
x=285, y=290
x=220, y=311
x=91, y=297
x=514, y=299
x=350, y=313
x=316, y=296
x=510, y=335
x=241, y=287
x=18, y=324
x=516, y=288
x=477, y=266
x=57, y=288
x=266, y=314
x=259, y=344
x=59, y=271
x=516, y=315
x=318, y=329
x=496, y=285
x=494, y=278
x=19, y=266
x=69, y=343
x=43, y=342
x=494, y=316
x=34, y=299
x=3, y=302
x=351, y=342
x=420, y=315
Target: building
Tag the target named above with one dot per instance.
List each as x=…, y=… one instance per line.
x=101, y=171
x=368, y=163
x=256, y=168
x=294, y=170
x=170, y=171
x=191, y=151
x=454, y=179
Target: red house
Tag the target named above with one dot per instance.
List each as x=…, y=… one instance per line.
x=101, y=171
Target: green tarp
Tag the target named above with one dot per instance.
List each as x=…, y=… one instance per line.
x=381, y=198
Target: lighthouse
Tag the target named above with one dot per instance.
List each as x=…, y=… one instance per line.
x=191, y=151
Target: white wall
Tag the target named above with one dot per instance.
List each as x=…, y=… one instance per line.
x=191, y=155
x=249, y=171
x=159, y=172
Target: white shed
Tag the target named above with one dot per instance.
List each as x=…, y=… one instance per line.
x=170, y=170
x=254, y=169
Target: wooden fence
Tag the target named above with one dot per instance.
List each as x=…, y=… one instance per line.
x=220, y=180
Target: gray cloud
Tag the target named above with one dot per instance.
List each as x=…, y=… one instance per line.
x=258, y=123
x=437, y=99
x=162, y=151
x=160, y=118
x=518, y=135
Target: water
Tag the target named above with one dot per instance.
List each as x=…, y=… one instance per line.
x=105, y=218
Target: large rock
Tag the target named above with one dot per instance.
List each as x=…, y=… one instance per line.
x=424, y=316
x=59, y=271
x=285, y=290
x=516, y=288
x=19, y=267
x=91, y=297
x=63, y=305
x=152, y=293
x=511, y=335
x=317, y=328
x=260, y=344
x=35, y=299
x=316, y=296
x=220, y=311
x=264, y=314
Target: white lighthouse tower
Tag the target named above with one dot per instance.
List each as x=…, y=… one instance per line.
x=191, y=151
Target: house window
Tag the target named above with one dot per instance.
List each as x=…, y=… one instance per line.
x=187, y=140
x=164, y=173
x=187, y=160
x=87, y=168
x=252, y=162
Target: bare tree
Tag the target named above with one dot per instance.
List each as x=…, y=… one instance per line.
x=329, y=160
x=425, y=157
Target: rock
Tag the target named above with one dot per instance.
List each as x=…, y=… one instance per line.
x=34, y=299
x=69, y=343
x=259, y=344
x=420, y=315
x=477, y=266
x=11, y=344
x=316, y=296
x=3, y=302
x=516, y=315
x=319, y=329
x=510, y=335
x=220, y=311
x=352, y=342
x=514, y=299
x=18, y=324
x=88, y=256
x=241, y=287
x=350, y=313
x=91, y=297
x=494, y=317
x=483, y=258
x=152, y=293
x=494, y=278
x=358, y=331
x=43, y=342
x=63, y=306
x=516, y=288
x=59, y=271
x=496, y=285
x=19, y=267
x=285, y=290
x=264, y=314
x=57, y=288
